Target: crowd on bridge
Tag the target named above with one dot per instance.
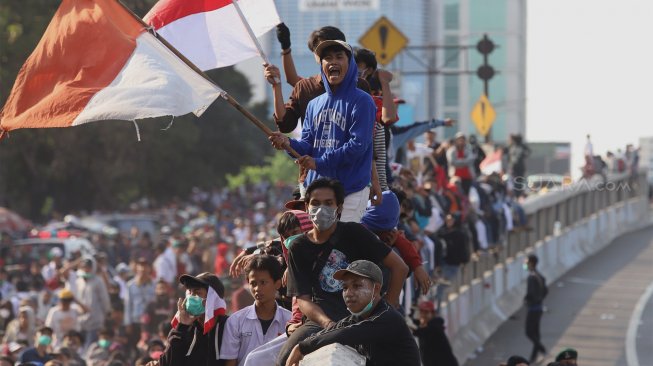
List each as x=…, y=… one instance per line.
x=363, y=253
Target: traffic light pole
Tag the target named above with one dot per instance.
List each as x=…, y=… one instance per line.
x=485, y=72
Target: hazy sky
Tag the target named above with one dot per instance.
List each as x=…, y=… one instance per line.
x=590, y=70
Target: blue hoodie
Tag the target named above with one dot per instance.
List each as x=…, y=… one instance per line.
x=337, y=133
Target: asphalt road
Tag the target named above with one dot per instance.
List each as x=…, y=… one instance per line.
x=592, y=308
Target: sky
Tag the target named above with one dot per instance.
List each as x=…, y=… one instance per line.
x=589, y=71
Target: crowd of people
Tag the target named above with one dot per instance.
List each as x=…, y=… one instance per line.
x=363, y=253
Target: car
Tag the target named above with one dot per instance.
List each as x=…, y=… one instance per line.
x=40, y=247
x=542, y=183
x=125, y=222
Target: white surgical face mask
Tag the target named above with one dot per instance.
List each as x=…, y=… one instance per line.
x=323, y=217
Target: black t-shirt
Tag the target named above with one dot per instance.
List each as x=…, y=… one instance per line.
x=311, y=266
x=265, y=324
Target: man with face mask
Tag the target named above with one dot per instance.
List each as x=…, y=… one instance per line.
x=374, y=328
x=40, y=352
x=191, y=341
x=314, y=257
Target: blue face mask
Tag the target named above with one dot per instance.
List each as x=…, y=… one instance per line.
x=194, y=305
x=365, y=310
x=289, y=241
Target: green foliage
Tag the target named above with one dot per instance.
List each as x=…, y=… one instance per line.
x=102, y=165
x=278, y=168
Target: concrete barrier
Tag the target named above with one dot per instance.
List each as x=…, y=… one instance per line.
x=477, y=311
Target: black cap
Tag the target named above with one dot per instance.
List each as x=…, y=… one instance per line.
x=361, y=268
x=567, y=354
x=331, y=42
x=516, y=360
x=203, y=280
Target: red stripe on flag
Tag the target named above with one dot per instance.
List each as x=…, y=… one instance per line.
x=63, y=73
x=165, y=12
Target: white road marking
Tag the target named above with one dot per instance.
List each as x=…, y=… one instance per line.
x=631, y=335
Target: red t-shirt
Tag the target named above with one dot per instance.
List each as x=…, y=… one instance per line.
x=462, y=172
x=378, y=101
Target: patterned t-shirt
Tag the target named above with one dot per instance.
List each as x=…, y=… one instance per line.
x=311, y=266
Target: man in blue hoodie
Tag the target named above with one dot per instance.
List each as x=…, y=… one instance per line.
x=337, y=133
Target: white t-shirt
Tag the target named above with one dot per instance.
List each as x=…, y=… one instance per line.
x=243, y=332
x=416, y=159
x=62, y=321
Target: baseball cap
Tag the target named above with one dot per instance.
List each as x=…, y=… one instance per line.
x=65, y=294
x=361, y=268
x=459, y=134
x=426, y=306
x=123, y=268
x=296, y=205
x=332, y=42
x=384, y=216
x=567, y=354
x=203, y=280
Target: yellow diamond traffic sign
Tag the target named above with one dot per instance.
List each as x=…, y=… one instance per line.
x=483, y=115
x=385, y=39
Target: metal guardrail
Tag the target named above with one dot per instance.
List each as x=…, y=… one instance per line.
x=567, y=206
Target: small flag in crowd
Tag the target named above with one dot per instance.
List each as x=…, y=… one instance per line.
x=210, y=33
x=96, y=61
x=492, y=163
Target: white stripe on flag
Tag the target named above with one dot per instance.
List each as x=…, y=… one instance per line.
x=218, y=38
x=154, y=82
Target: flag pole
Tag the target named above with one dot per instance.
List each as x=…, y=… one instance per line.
x=251, y=32
x=253, y=36
x=224, y=95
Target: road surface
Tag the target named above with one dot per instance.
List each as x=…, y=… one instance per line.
x=603, y=308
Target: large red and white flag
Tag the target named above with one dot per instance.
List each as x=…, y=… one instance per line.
x=210, y=33
x=97, y=62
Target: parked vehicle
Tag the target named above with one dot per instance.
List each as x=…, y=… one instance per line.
x=40, y=247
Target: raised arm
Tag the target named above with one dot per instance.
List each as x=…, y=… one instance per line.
x=283, y=36
x=272, y=75
x=389, y=109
